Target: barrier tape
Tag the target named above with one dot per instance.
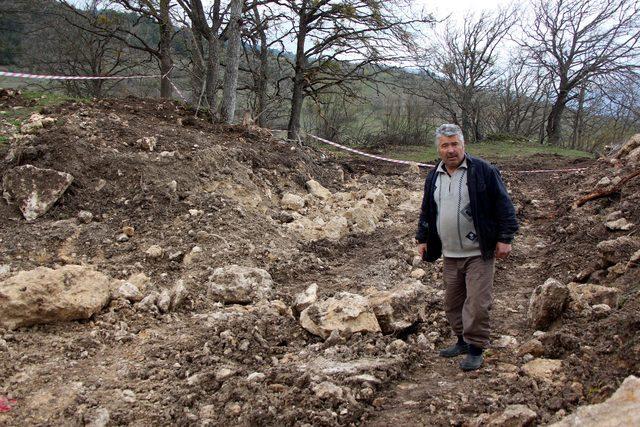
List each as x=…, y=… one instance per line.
x=362, y=153
x=406, y=162
x=51, y=77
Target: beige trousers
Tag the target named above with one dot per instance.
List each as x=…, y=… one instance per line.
x=467, y=301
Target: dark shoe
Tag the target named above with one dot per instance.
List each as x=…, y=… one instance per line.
x=471, y=363
x=455, y=350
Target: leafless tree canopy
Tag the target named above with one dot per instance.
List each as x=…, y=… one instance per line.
x=563, y=72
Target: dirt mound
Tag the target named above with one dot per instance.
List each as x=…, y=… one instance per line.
x=160, y=193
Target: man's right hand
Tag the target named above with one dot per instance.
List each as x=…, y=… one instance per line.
x=422, y=248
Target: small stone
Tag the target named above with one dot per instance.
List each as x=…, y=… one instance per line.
x=164, y=301
x=3, y=345
x=154, y=251
x=98, y=418
x=506, y=341
x=305, y=299
x=121, y=238
x=543, y=369
x=178, y=294
x=619, y=225
x=418, y=273
x=128, y=396
x=328, y=390
x=85, y=217
x=292, y=202
x=129, y=291
x=604, y=181
x=256, y=377
x=396, y=346
x=148, y=303
x=533, y=347
x=147, y=143
x=173, y=186
x=177, y=256
x=224, y=373
x=601, y=310
x=128, y=230
x=316, y=189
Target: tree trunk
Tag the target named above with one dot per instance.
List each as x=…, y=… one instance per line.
x=166, y=63
x=297, y=98
x=577, y=123
x=213, y=74
x=233, y=62
x=555, y=115
x=261, y=84
x=198, y=65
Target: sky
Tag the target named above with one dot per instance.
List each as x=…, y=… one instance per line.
x=458, y=8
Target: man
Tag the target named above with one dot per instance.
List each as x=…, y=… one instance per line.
x=468, y=217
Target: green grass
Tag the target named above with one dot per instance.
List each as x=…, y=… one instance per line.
x=491, y=150
x=487, y=149
x=42, y=99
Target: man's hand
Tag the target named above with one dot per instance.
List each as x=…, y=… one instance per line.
x=502, y=250
x=422, y=248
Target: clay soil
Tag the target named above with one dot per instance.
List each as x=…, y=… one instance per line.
x=147, y=368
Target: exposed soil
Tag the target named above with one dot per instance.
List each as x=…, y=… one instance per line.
x=191, y=366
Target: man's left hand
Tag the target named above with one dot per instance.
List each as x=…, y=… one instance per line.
x=502, y=250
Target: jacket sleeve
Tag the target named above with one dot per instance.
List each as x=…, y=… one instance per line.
x=423, y=222
x=506, y=221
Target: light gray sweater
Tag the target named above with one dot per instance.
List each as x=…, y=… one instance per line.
x=455, y=224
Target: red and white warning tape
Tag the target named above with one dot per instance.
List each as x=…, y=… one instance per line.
x=406, y=162
x=362, y=153
x=51, y=77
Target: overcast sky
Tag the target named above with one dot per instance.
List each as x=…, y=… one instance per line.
x=459, y=7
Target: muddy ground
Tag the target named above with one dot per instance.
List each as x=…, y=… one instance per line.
x=197, y=365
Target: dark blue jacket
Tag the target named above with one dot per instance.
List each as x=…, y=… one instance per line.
x=494, y=216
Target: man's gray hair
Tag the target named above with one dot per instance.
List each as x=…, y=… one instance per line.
x=449, y=129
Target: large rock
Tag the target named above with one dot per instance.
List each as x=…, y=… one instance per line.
x=235, y=284
x=343, y=312
x=547, y=303
x=631, y=145
x=44, y=295
x=401, y=307
x=622, y=409
x=316, y=189
x=587, y=294
x=34, y=190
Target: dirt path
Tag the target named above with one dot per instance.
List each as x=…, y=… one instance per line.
x=210, y=362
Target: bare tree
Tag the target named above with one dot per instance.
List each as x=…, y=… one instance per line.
x=340, y=42
x=462, y=65
x=577, y=41
x=156, y=11
x=233, y=62
x=207, y=25
x=518, y=100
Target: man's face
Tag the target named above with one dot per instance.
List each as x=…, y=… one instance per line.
x=451, y=150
